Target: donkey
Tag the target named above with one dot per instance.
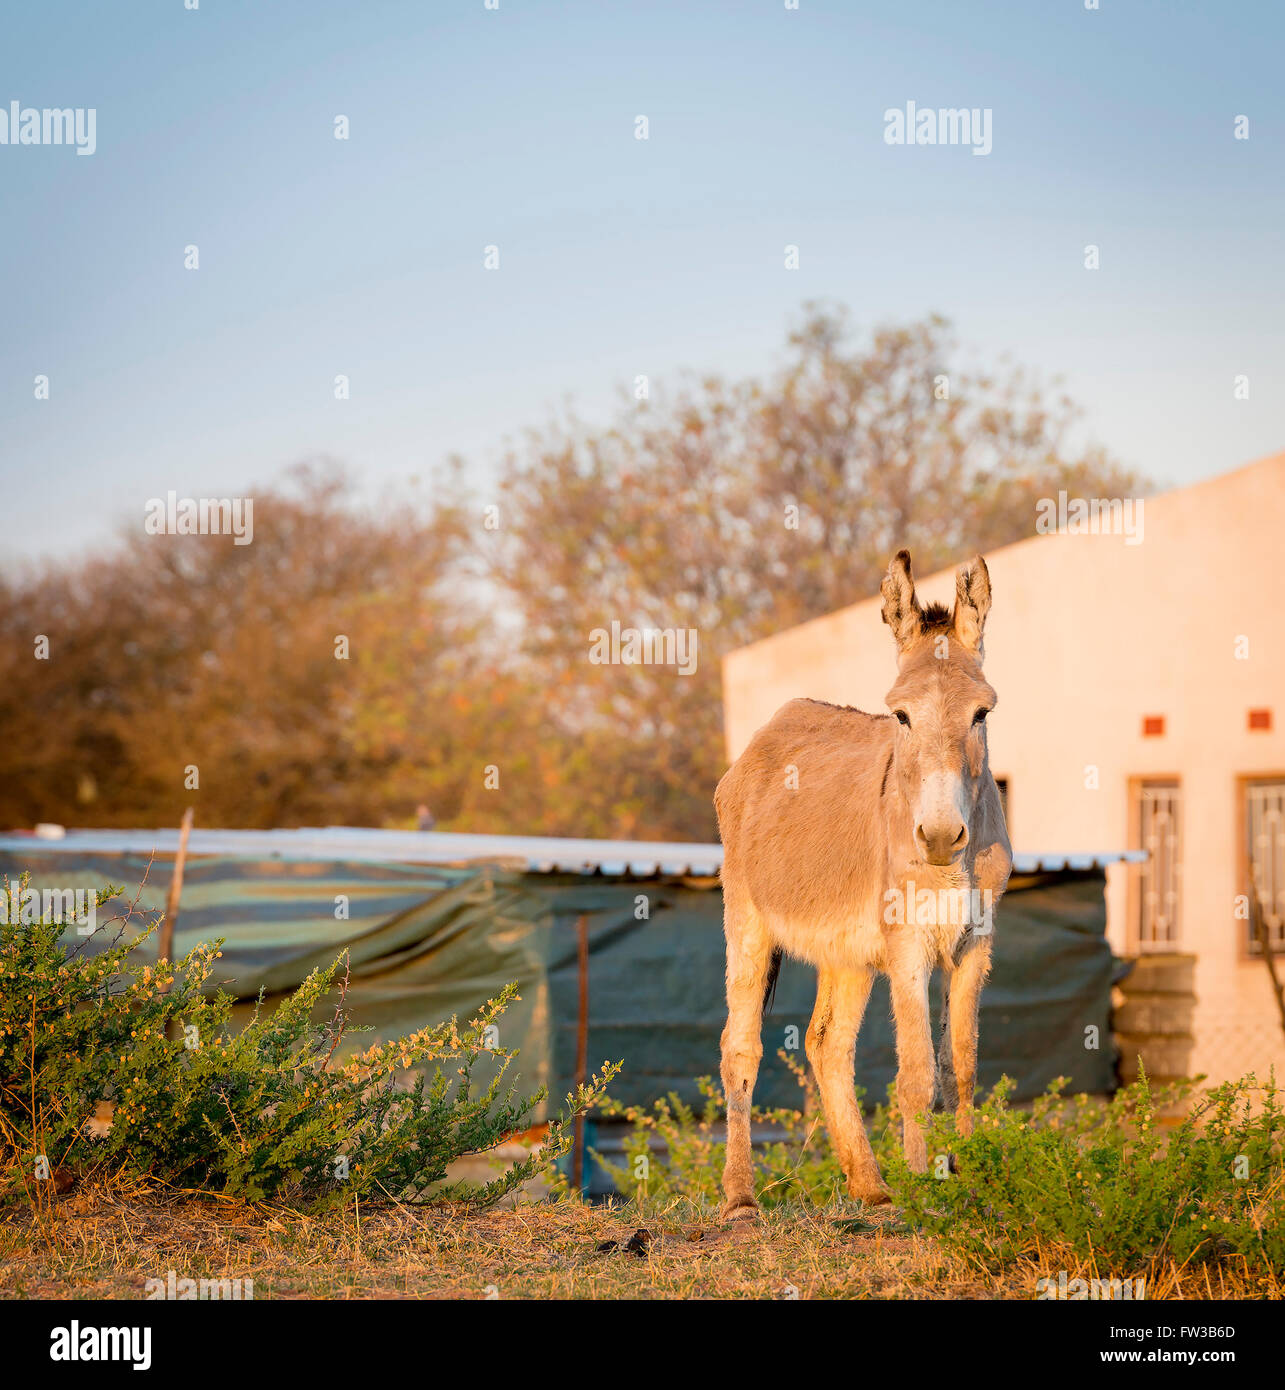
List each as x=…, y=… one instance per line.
x=834, y=823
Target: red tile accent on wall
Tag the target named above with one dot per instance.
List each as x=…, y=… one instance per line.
x=1260, y=719
x=1152, y=725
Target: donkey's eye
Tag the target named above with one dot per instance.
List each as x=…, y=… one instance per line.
x=902, y=717
x=980, y=716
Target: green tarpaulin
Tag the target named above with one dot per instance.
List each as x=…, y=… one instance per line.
x=656, y=992
x=426, y=942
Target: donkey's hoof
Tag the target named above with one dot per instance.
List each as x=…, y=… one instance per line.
x=739, y=1209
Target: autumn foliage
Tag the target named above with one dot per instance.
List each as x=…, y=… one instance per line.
x=359, y=658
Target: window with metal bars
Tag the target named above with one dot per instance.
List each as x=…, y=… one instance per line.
x=1159, y=898
x=1265, y=857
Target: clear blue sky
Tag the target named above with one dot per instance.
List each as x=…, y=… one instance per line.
x=618, y=257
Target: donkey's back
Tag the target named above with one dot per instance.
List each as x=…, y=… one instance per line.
x=798, y=813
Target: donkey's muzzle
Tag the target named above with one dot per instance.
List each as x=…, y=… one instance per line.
x=940, y=845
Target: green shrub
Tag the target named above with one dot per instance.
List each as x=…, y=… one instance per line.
x=1109, y=1181
x=110, y=1063
x=1103, y=1182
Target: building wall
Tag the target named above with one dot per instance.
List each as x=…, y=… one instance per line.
x=1087, y=635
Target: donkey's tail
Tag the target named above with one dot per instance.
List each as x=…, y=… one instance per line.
x=769, y=986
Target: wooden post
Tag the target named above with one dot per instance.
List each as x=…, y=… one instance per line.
x=165, y=943
x=582, y=1047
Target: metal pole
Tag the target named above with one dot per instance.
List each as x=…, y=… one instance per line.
x=1265, y=941
x=582, y=1047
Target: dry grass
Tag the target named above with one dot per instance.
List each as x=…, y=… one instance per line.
x=105, y=1240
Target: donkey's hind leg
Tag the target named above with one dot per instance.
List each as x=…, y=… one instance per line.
x=945, y=1058
x=749, y=953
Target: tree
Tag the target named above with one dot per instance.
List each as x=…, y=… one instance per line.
x=266, y=667
x=465, y=677
x=739, y=510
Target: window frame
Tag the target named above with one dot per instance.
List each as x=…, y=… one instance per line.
x=1249, y=947
x=1139, y=879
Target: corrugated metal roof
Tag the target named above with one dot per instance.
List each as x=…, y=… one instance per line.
x=531, y=853
x=1054, y=863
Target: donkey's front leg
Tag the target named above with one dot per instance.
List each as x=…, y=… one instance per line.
x=831, y=1048
x=748, y=956
x=965, y=994
x=916, y=1065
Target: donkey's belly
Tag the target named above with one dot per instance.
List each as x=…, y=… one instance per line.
x=837, y=943
x=850, y=943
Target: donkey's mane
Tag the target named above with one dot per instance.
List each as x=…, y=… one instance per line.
x=936, y=615
x=846, y=709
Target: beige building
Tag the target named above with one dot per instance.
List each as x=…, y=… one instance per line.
x=1141, y=683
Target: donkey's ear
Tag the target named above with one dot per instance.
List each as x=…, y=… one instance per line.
x=972, y=602
x=901, y=610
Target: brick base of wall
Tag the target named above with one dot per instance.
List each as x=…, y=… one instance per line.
x=1153, y=1018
